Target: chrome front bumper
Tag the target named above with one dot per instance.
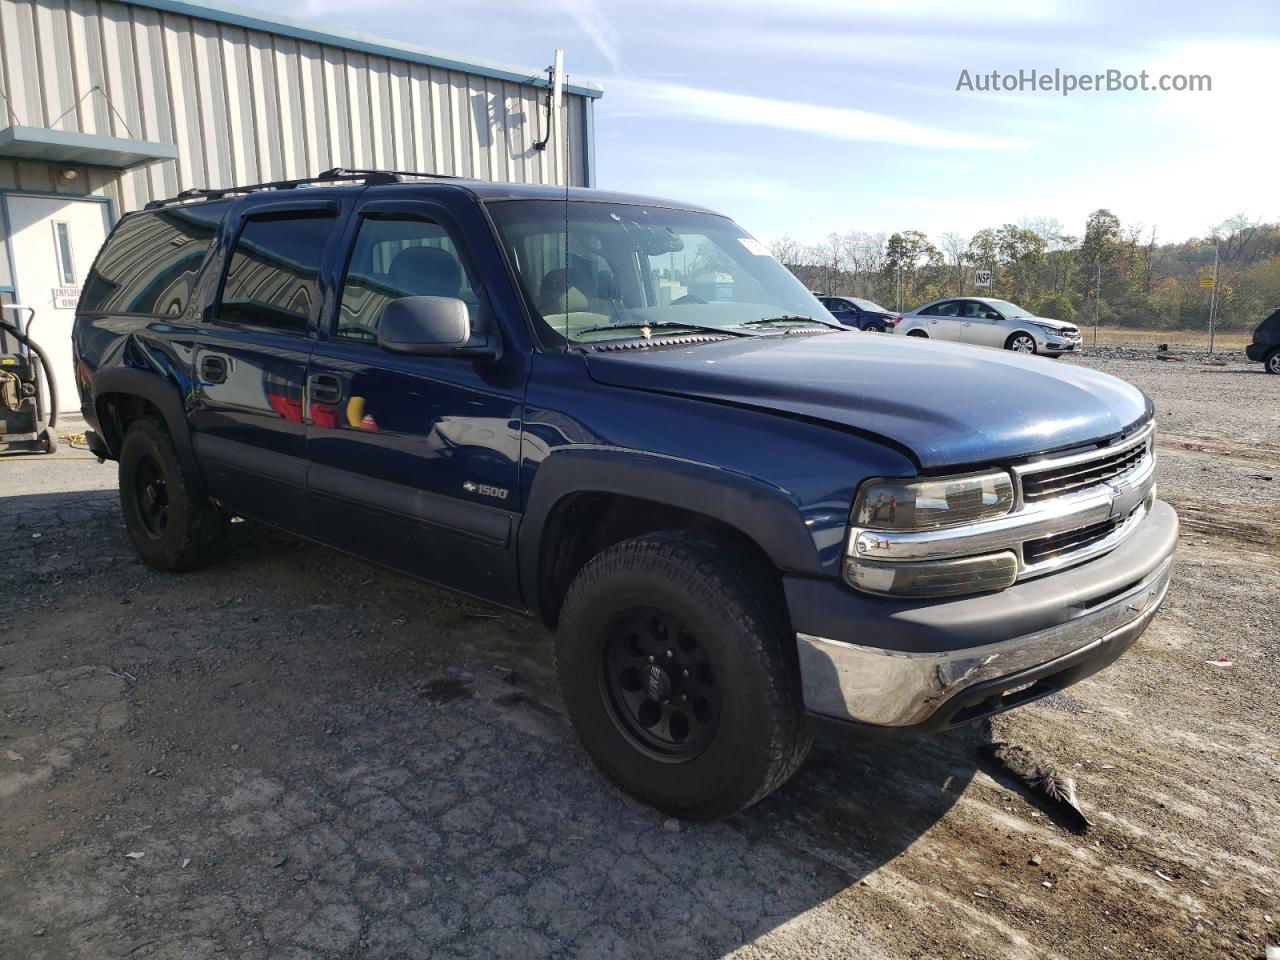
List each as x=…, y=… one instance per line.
x=892, y=688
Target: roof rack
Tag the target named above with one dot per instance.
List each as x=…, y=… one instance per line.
x=337, y=174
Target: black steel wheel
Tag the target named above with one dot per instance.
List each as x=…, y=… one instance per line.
x=677, y=666
x=169, y=526
x=659, y=684
x=151, y=497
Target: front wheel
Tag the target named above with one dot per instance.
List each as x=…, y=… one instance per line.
x=1272, y=364
x=677, y=670
x=1021, y=343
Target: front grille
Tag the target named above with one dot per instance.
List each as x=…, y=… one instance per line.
x=1047, y=548
x=1057, y=481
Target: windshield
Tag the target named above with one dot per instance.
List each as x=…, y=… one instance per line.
x=1009, y=309
x=868, y=305
x=629, y=271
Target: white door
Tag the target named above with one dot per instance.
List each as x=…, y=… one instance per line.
x=53, y=241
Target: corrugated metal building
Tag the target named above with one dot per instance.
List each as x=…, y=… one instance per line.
x=105, y=106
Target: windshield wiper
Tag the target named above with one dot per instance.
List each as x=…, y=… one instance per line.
x=664, y=324
x=792, y=318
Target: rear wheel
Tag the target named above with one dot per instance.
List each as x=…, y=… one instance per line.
x=1021, y=343
x=1272, y=363
x=918, y=333
x=678, y=673
x=170, y=528
x=874, y=328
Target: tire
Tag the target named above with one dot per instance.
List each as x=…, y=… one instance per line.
x=873, y=328
x=688, y=615
x=170, y=529
x=1272, y=363
x=1021, y=343
x=49, y=441
x=918, y=333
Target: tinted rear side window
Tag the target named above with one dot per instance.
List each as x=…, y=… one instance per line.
x=151, y=262
x=271, y=280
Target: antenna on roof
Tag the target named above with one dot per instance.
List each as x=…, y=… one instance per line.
x=555, y=87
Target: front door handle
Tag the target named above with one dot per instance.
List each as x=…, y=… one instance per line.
x=325, y=388
x=213, y=368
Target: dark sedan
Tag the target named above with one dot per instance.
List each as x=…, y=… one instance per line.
x=1265, y=348
x=863, y=314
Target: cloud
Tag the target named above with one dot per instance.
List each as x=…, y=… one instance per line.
x=590, y=19
x=836, y=123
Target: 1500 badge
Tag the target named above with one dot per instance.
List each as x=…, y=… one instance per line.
x=498, y=493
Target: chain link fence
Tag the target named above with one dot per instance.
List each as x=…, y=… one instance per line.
x=1192, y=296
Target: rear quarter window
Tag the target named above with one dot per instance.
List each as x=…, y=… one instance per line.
x=151, y=262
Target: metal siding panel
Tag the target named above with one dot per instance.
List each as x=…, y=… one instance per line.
x=288, y=80
x=57, y=80
x=240, y=96
x=215, y=133
x=404, y=130
x=576, y=172
x=357, y=87
x=184, y=103
x=420, y=116
x=315, y=114
x=336, y=115
x=441, y=124
x=267, y=120
x=376, y=124
x=86, y=34
x=22, y=80
x=461, y=125
x=152, y=81
x=119, y=60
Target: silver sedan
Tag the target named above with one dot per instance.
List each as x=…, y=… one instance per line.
x=990, y=323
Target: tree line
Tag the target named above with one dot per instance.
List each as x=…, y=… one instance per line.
x=1121, y=274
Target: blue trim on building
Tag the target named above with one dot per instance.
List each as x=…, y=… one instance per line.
x=364, y=43
x=44, y=145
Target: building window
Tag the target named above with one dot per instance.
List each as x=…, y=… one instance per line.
x=62, y=246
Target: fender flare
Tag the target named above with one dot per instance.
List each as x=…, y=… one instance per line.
x=161, y=393
x=760, y=511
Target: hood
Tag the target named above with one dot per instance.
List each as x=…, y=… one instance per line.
x=948, y=403
x=1056, y=324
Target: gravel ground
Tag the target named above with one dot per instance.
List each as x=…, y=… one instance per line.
x=295, y=754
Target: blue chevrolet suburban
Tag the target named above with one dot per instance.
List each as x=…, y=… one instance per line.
x=747, y=524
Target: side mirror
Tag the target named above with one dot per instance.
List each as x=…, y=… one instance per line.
x=992, y=315
x=429, y=327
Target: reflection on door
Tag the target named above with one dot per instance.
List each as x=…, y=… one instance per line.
x=52, y=242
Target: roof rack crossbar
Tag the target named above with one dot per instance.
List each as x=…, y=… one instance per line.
x=370, y=177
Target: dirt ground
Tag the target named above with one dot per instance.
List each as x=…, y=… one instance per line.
x=295, y=754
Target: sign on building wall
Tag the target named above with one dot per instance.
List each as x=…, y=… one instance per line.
x=65, y=298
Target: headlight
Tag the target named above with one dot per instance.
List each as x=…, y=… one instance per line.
x=907, y=505
x=1051, y=331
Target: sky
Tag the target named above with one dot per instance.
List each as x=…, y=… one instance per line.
x=801, y=119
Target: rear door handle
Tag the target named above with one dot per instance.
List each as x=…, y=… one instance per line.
x=213, y=368
x=325, y=388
